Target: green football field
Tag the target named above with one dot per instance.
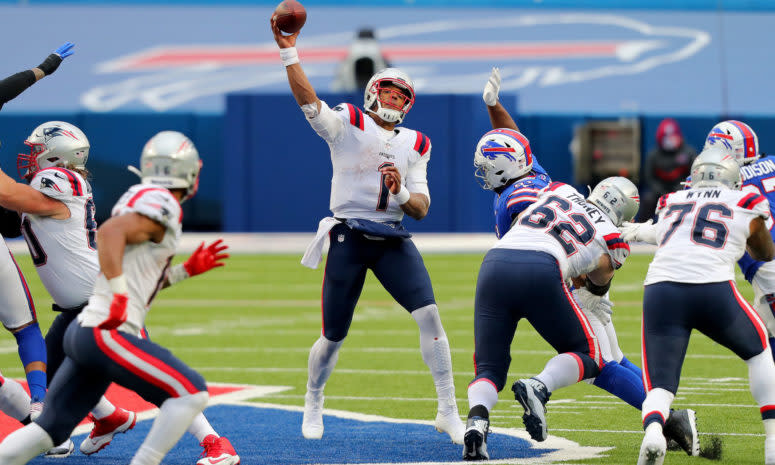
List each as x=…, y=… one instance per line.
x=254, y=321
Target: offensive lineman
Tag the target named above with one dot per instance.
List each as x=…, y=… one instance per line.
x=135, y=248
x=379, y=175
x=59, y=227
x=560, y=236
x=690, y=285
x=17, y=312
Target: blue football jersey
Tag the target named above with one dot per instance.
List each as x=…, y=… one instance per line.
x=758, y=177
x=517, y=197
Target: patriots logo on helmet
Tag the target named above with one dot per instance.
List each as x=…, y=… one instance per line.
x=56, y=131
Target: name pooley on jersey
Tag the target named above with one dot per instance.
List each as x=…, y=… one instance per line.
x=594, y=213
x=757, y=169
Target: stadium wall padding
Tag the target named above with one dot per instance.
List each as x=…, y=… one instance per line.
x=265, y=170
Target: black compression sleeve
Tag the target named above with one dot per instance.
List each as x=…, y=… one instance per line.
x=15, y=84
x=595, y=289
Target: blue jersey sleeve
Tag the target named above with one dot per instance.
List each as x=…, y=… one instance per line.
x=758, y=177
x=515, y=199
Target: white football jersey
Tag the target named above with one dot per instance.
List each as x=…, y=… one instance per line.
x=145, y=264
x=64, y=251
x=562, y=224
x=359, y=148
x=702, y=232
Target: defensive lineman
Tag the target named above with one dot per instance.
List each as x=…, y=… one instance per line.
x=690, y=285
x=135, y=247
x=379, y=175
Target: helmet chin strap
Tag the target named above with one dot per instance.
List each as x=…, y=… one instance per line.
x=135, y=171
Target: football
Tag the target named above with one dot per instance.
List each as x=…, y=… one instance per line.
x=290, y=16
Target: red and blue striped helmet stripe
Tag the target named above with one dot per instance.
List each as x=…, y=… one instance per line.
x=749, y=140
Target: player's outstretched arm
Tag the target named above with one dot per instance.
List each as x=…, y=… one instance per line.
x=413, y=204
x=202, y=260
x=25, y=199
x=300, y=86
x=112, y=238
x=15, y=84
x=499, y=117
x=759, y=243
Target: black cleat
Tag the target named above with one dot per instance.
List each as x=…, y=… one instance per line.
x=533, y=396
x=681, y=428
x=475, y=439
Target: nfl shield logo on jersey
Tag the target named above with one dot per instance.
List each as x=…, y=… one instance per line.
x=340, y=238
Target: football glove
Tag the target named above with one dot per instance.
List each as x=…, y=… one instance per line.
x=117, y=312
x=206, y=258
x=595, y=305
x=639, y=232
x=52, y=62
x=491, y=89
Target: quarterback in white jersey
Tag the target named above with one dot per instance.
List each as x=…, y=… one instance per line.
x=379, y=174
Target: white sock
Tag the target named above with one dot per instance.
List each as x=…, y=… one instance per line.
x=657, y=400
x=560, y=371
x=175, y=416
x=14, y=400
x=322, y=360
x=761, y=376
x=482, y=392
x=201, y=428
x=24, y=444
x=103, y=409
x=769, y=428
x=434, y=347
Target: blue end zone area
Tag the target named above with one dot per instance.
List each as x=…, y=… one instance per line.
x=273, y=436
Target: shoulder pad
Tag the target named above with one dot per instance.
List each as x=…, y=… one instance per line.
x=555, y=185
x=750, y=201
x=157, y=204
x=356, y=115
x=422, y=143
x=662, y=202
x=58, y=182
x=617, y=248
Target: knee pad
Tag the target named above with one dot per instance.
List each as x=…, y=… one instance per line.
x=428, y=320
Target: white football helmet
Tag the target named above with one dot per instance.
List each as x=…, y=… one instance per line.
x=617, y=197
x=715, y=167
x=54, y=143
x=386, y=110
x=170, y=159
x=502, y=155
x=737, y=138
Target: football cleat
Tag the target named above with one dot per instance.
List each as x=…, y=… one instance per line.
x=475, y=439
x=450, y=423
x=769, y=451
x=681, y=428
x=36, y=408
x=532, y=394
x=61, y=451
x=119, y=421
x=218, y=451
x=653, y=447
x=312, y=424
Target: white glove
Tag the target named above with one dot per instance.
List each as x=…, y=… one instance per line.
x=595, y=305
x=491, y=89
x=639, y=232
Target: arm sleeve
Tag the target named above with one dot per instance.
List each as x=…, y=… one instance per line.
x=14, y=85
x=417, y=176
x=10, y=223
x=329, y=124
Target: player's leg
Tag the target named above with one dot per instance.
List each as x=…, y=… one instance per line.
x=343, y=280
x=401, y=270
x=667, y=326
x=764, y=298
x=217, y=449
x=494, y=326
x=152, y=372
x=17, y=314
x=737, y=326
x=14, y=400
x=568, y=331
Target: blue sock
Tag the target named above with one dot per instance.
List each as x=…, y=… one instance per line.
x=32, y=348
x=632, y=367
x=622, y=383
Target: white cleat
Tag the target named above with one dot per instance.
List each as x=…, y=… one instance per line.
x=449, y=422
x=653, y=447
x=312, y=424
x=36, y=408
x=61, y=451
x=769, y=450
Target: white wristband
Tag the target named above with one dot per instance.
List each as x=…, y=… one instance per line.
x=289, y=56
x=403, y=195
x=118, y=285
x=177, y=274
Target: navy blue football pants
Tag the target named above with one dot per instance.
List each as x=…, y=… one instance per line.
x=516, y=284
x=396, y=263
x=95, y=358
x=672, y=310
